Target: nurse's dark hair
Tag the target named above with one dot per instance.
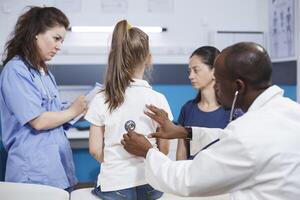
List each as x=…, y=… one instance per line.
x=207, y=54
x=129, y=50
x=249, y=62
x=22, y=41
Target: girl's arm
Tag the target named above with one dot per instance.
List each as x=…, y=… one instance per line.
x=181, y=153
x=96, y=142
x=163, y=145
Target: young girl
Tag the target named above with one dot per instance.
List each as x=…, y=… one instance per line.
x=123, y=99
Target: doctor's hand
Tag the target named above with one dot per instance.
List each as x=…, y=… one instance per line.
x=167, y=129
x=136, y=144
x=79, y=105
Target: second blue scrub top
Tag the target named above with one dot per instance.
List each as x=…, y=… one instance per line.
x=42, y=157
x=191, y=115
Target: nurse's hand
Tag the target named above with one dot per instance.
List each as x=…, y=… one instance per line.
x=79, y=105
x=136, y=144
x=167, y=129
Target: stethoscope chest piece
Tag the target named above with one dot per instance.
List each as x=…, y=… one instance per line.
x=130, y=126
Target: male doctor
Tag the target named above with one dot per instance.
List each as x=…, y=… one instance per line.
x=258, y=155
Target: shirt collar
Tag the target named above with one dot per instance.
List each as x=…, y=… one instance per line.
x=139, y=83
x=266, y=96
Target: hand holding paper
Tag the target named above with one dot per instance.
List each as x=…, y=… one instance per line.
x=89, y=96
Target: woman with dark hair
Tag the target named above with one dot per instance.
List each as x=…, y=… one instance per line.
x=32, y=115
x=204, y=110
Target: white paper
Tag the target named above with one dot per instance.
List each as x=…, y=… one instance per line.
x=88, y=97
x=282, y=16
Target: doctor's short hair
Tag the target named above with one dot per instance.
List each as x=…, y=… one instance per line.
x=129, y=50
x=23, y=38
x=250, y=62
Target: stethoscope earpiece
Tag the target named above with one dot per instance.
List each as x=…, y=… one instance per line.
x=233, y=105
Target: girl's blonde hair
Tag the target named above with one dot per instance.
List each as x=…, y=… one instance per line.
x=129, y=49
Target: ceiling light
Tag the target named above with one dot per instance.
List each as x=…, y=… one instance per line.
x=109, y=29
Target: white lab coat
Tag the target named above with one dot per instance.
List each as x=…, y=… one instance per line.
x=258, y=156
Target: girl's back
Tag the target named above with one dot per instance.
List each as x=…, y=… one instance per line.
x=124, y=98
x=121, y=169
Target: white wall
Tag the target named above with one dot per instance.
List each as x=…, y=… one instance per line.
x=190, y=24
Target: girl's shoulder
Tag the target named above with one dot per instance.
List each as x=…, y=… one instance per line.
x=158, y=95
x=100, y=96
x=98, y=102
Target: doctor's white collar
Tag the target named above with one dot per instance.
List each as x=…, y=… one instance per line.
x=266, y=96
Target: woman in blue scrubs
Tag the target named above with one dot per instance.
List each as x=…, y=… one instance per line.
x=32, y=116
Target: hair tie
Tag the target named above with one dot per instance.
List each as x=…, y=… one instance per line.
x=128, y=26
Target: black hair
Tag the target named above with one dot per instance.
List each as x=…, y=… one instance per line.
x=250, y=62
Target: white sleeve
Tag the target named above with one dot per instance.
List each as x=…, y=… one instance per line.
x=96, y=111
x=166, y=107
x=203, y=136
x=224, y=167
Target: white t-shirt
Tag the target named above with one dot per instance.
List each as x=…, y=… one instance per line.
x=120, y=169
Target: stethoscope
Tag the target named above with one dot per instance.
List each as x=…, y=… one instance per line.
x=44, y=88
x=233, y=105
x=231, y=117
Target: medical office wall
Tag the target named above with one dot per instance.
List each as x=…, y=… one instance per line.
x=189, y=24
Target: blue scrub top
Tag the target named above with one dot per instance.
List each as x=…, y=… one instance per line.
x=42, y=157
x=191, y=115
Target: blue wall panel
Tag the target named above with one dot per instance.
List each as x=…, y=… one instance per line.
x=176, y=95
x=86, y=167
x=3, y=157
x=290, y=91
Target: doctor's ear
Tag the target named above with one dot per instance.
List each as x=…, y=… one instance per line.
x=240, y=86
